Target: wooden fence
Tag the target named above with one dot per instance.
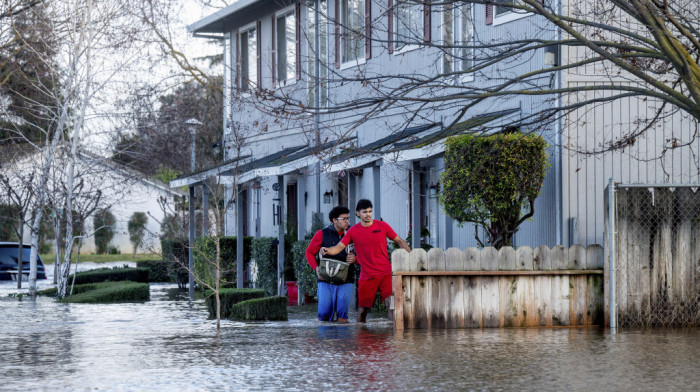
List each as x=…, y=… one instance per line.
x=498, y=288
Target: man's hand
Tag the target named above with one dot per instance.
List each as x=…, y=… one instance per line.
x=323, y=251
x=350, y=258
x=317, y=274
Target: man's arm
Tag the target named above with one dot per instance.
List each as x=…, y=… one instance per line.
x=402, y=244
x=333, y=250
x=313, y=248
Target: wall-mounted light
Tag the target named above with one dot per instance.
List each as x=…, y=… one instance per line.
x=551, y=55
x=328, y=197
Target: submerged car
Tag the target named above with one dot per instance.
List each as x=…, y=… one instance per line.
x=8, y=261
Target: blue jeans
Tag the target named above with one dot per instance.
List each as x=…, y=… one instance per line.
x=333, y=299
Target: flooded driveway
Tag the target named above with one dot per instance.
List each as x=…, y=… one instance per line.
x=168, y=343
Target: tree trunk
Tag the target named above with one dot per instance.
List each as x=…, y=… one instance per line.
x=20, y=254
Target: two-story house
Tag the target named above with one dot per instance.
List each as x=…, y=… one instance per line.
x=333, y=56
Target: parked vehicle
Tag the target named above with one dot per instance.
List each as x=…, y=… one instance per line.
x=8, y=261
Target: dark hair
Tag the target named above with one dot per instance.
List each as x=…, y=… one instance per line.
x=337, y=211
x=363, y=204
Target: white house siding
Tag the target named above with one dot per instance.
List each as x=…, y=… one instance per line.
x=265, y=135
x=591, y=129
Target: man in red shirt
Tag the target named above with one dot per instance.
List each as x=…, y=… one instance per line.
x=333, y=298
x=369, y=237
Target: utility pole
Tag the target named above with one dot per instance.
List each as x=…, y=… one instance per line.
x=191, y=123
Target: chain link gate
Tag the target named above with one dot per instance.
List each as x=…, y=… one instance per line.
x=654, y=255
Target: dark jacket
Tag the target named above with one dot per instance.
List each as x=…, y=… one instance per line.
x=330, y=239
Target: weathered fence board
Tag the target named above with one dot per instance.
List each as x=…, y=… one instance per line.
x=452, y=289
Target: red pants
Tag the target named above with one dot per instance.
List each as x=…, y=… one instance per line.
x=367, y=290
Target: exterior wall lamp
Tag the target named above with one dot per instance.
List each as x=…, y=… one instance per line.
x=328, y=197
x=551, y=55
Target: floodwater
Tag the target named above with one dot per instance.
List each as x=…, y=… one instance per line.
x=169, y=344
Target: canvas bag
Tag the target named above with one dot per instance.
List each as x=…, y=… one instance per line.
x=333, y=271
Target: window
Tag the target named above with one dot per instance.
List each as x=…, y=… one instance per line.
x=505, y=14
x=286, y=47
x=352, y=18
x=457, y=36
x=249, y=58
x=322, y=55
x=409, y=24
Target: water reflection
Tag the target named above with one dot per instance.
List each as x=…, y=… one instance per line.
x=168, y=343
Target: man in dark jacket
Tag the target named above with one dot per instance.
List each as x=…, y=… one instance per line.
x=333, y=298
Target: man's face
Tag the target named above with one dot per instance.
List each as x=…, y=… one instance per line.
x=342, y=222
x=365, y=215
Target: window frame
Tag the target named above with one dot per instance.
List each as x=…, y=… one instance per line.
x=507, y=16
x=457, y=29
x=344, y=35
x=286, y=13
x=325, y=22
x=407, y=47
x=243, y=77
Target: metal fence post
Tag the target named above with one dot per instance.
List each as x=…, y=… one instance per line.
x=611, y=254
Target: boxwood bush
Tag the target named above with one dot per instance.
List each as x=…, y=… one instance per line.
x=113, y=274
x=268, y=308
x=77, y=289
x=109, y=292
x=230, y=297
x=158, y=270
x=264, y=252
x=205, y=254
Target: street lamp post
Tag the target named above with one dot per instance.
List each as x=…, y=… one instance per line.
x=191, y=123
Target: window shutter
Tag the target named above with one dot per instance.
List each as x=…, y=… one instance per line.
x=390, y=26
x=274, y=52
x=238, y=81
x=426, y=21
x=337, y=33
x=368, y=29
x=489, y=14
x=258, y=52
x=297, y=21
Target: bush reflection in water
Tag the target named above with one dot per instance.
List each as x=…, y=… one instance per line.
x=168, y=343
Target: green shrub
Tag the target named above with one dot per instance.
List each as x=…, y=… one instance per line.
x=114, y=274
x=493, y=181
x=264, y=252
x=268, y=308
x=111, y=292
x=77, y=289
x=158, y=270
x=204, y=259
x=103, y=223
x=9, y=214
x=230, y=297
x=306, y=277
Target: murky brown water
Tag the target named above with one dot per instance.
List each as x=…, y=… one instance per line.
x=168, y=344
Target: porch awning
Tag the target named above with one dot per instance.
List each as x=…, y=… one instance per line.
x=430, y=144
x=355, y=157
x=286, y=161
x=218, y=171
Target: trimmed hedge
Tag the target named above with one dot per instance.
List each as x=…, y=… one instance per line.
x=158, y=270
x=268, y=308
x=204, y=259
x=109, y=292
x=77, y=289
x=264, y=251
x=230, y=297
x=114, y=274
x=306, y=277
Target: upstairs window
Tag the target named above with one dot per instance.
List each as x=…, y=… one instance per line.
x=504, y=14
x=320, y=33
x=249, y=58
x=458, y=38
x=285, y=41
x=409, y=24
x=352, y=19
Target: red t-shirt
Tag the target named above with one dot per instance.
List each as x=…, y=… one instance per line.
x=370, y=248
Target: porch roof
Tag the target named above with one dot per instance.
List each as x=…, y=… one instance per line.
x=430, y=144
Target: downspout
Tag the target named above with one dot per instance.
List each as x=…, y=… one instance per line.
x=559, y=214
x=317, y=102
